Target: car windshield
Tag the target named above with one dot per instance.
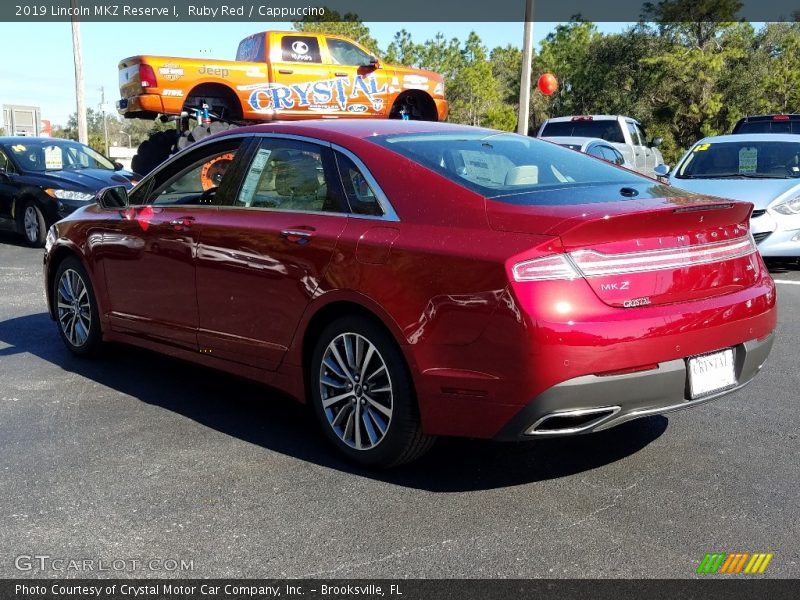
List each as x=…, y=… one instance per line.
x=46, y=154
x=504, y=165
x=741, y=160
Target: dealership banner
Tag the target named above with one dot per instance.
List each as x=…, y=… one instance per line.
x=398, y=589
x=375, y=10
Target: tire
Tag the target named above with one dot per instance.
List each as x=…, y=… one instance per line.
x=154, y=150
x=389, y=431
x=30, y=223
x=74, y=300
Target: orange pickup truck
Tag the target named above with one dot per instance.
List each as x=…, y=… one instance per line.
x=279, y=75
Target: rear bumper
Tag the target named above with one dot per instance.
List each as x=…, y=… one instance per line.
x=594, y=403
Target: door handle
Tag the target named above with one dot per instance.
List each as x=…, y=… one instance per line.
x=182, y=223
x=285, y=71
x=297, y=236
x=340, y=74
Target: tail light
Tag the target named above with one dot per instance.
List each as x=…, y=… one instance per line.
x=780, y=117
x=590, y=263
x=556, y=266
x=147, y=76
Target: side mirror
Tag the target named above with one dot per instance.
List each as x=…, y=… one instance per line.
x=3, y=175
x=118, y=166
x=662, y=170
x=656, y=142
x=373, y=63
x=112, y=197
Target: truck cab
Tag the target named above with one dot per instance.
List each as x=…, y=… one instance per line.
x=624, y=133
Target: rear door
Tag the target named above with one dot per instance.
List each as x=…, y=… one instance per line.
x=267, y=252
x=8, y=189
x=148, y=253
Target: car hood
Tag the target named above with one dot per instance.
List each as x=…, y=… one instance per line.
x=85, y=179
x=761, y=192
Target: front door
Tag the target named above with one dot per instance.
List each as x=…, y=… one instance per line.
x=361, y=88
x=148, y=254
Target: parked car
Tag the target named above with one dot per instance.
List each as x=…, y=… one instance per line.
x=780, y=123
x=412, y=279
x=593, y=147
x=760, y=168
x=624, y=133
x=43, y=180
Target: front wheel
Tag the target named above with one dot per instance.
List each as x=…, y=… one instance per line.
x=363, y=396
x=76, y=308
x=31, y=224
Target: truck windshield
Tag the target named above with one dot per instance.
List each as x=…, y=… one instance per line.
x=742, y=160
x=502, y=165
x=605, y=129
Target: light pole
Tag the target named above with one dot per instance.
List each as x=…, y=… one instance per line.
x=525, y=80
x=83, y=130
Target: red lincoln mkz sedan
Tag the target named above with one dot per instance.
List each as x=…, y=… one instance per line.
x=415, y=279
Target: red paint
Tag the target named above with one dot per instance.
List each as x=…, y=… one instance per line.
x=227, y=290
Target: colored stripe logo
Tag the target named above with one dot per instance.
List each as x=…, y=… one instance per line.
x=737, y=562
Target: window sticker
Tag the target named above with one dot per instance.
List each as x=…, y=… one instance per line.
x=53, y=158
x=254, y=175
x=702, y=147
x=748, y=160
x=18, y=148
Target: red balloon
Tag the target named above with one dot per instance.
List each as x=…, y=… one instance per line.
x=547, y=83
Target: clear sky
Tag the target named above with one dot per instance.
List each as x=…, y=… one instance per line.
x=37, y=66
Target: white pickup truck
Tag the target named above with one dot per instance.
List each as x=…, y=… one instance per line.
x=624, y=133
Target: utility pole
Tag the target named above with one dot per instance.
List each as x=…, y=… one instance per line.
x=103, y=113
x=83, y=131
x=525, y=80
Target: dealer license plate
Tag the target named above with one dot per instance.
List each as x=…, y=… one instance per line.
x=711, y=372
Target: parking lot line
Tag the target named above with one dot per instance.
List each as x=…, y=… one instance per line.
x=786, y=281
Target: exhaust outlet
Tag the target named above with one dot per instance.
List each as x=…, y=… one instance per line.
x=565, y=422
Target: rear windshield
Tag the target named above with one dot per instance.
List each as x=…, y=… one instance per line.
x=504, y=165
x=606, y=129
x=768, y=126
x=741, y=160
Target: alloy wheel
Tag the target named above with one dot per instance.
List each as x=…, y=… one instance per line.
x=31, y=223
x=74, y=308
x=356, y=391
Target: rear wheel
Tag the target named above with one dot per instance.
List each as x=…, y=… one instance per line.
x=76, y=308
x=363, y=396
x=30, y=223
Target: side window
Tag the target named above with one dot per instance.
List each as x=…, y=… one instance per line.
x=360, y=195
x=634, y=131
x=300, y=48
x=251, y=49
x=345, y=53
x=596, y=151
x=615, y=156
x=291, y=175
x=194, y=180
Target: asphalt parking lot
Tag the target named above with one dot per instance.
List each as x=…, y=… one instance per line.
x=136, y=457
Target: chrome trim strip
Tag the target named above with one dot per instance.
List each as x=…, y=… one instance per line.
x=579, y=412
x=608, y=264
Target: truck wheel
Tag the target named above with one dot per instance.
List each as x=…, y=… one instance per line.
x=154, y=150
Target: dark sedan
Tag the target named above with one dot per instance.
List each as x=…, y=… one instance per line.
x=412, y=279
x=43, y=180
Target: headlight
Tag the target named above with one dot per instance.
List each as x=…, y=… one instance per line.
x=68, y=194
x=790, y=207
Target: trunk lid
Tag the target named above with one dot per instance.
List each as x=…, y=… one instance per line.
x=646, y=250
